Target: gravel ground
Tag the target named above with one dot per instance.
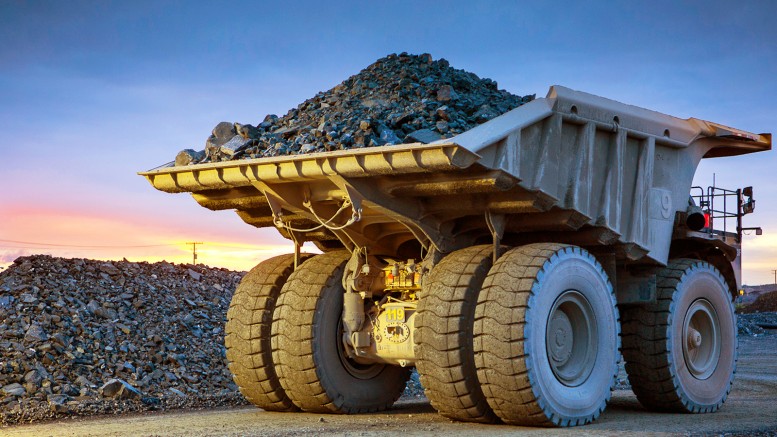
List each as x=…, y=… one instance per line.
x=757, y=324
x=749, y=410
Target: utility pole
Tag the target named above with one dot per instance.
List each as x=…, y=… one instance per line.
x=194, y=251
x=775, y=276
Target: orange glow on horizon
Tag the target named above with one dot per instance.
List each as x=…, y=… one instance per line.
x=225, y=247
x=238, y=260
x=69, y=234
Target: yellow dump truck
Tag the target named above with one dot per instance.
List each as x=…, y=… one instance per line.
x=511, y=265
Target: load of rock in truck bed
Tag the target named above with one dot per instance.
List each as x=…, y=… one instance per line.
x=398, y=99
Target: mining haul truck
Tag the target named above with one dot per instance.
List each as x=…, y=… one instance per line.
x=511, y=265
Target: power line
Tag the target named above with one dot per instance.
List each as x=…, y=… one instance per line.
x=240, y=249
x=48, y=248
x=82, y=247
x=235, y=246
x=97, y=247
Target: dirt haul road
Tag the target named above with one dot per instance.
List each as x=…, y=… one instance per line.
x=750, y=409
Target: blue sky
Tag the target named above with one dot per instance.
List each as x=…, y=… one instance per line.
x=92, y=92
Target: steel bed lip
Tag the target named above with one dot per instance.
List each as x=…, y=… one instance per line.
x=372, y=161
x=459, y=156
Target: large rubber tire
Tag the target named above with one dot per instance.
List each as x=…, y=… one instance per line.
x=681, y=352
x=443, y=338
x=247, y=340
x=308, y=349
x=546, y=336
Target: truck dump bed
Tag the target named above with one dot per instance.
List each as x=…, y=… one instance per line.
x=571, y=167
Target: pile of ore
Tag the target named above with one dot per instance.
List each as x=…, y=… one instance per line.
x=759, y=317
x=764, y=303
x=81, y=337
x=398, y=99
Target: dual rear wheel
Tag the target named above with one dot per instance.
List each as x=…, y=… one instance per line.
x=284, y=342
x=249, y=322
x=531, y=340
x=308, y=350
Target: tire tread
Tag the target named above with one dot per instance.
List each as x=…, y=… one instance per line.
x=443, y=338
x=500, y=318
x=247, y=338
x=295, y=324
x=647, y=348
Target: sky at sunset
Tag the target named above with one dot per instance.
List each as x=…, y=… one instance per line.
x=93, y=92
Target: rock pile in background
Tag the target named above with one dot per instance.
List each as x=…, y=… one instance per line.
x=80, y=336
x=398, y=99
x=760, y=316
x=764, y=303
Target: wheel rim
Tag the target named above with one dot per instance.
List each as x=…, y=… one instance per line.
x=357, y=370
x=570, y=338
x=701, y=339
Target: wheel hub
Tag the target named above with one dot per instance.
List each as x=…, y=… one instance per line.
x=561, y=344
x=570, y=338
x=356, y=369
x=694, y=338
x=702, y=341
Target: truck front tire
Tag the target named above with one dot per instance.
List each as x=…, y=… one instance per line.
x=681, y=351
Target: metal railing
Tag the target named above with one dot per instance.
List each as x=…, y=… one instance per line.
x=720, y=207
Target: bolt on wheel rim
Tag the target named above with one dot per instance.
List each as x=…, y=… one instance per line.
x=701, y=339
x=570, y=338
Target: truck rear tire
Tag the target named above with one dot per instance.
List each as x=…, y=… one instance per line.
x=248, y=333
x=308, y=348
x=681, y=352
x=546, y=336
x=444, y=356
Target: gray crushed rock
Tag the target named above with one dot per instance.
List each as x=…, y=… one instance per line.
x=757, y=324
x=81, y=337
x=398, y=99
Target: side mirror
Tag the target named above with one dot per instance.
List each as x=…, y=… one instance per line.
x=747, y=201
x=748, y=207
